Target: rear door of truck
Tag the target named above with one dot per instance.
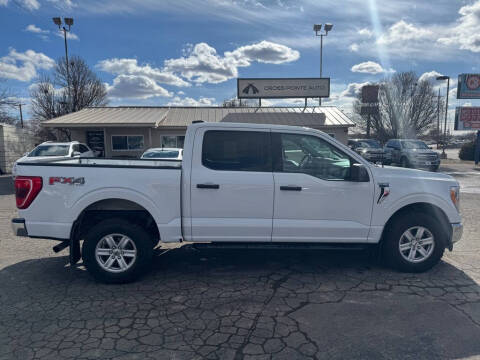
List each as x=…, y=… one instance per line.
x=231, y=184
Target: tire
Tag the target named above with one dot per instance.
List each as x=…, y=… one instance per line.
x=404, y=162
x=395, y=236
x=434, y=168
x=131, y=244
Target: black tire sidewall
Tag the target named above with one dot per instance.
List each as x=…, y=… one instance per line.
x=391, y=251
x=137, y=234
x=404, y=162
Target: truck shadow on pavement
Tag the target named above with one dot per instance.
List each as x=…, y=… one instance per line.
x=240, y=304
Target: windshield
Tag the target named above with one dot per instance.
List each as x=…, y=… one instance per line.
x=50, y=150
x=414, y=145
x=369, y=144
x=164, y=154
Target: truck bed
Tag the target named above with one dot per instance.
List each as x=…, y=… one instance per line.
x=70, y=186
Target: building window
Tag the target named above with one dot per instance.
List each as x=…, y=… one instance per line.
x=127, y=142
x=172, y=141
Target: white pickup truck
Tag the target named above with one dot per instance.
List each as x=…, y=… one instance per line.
x=238, y=184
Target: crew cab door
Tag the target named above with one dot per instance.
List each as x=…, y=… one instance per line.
x=231, y=185
x=315, y=201
x=393, y=146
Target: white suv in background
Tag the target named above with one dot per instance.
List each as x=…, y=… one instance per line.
x=49, y=151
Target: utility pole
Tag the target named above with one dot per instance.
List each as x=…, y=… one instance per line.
x=438, y=120
x=21, y=114
x=444, y=77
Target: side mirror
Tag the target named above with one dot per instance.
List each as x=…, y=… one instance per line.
x=359, y=173
x=76, y=153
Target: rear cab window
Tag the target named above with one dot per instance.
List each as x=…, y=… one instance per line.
x=234, y=150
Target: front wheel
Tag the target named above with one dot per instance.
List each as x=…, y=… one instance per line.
x=404, y=162
x=415, y=243
x=116, y=251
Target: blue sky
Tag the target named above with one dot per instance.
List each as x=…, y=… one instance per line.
x=188, y=52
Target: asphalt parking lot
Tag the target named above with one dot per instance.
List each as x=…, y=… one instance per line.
x=243, y=304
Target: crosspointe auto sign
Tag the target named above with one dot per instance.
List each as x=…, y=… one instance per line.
x=283, y=88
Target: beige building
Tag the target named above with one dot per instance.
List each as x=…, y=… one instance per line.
x=128, y=131
x=14, y=143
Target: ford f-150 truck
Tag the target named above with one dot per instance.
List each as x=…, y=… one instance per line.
x=242, y=185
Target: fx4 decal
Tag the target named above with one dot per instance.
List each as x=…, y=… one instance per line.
x=66, y=180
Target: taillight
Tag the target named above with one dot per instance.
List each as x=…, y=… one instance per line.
x=26, y=190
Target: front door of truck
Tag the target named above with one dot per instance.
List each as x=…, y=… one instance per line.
x=231, y=185
x=315, y=201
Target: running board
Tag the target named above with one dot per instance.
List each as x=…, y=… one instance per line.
x=280, y=246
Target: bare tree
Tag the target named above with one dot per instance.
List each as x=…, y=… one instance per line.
x=235, y=102
x=6, y=105
x=61, y=94
x=408, y=107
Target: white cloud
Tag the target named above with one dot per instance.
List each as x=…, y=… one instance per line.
x=35, y=29
x=135, y=87
x=130, y=67
x=265, y=52
x=429, y=76
x=70, y=35
x=370, y=67
x=353, y=47
x=201, y=63
x=402, y=31
x=29, y=4
x=352, y=90
x=3, y=2
x=365, y=32
x=188, y=101
x=63, y=4
x=466, y=33
x=24, y=66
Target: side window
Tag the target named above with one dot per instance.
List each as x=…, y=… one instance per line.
x=83, y=148
x=237, y=150
x=313, y=156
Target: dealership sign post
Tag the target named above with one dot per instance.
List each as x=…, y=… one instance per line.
x=468, y=86
x=467, y=118
x=250, y=88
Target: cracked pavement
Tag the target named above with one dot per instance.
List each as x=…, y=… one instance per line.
x=240, y=304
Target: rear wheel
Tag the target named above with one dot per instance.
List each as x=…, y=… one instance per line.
x=115, y=251
x=415, y=242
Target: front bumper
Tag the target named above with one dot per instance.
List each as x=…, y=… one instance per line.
x=457, y=232
x=18, y=227
x=425, y=163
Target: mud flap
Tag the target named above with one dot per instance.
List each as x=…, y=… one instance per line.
x=75, y=253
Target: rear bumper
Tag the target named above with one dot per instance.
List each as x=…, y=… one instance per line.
x=457, y=232
x=18, y=227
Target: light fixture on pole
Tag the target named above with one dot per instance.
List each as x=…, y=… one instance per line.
x=441, y=78
x=318, y=32
x=68, y=22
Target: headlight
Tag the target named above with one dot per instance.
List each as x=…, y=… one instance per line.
x=455, y=196
x=364, y=151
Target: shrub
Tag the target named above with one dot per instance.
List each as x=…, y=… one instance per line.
x=467, y=152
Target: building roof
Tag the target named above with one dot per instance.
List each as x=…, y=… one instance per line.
x=180, y=117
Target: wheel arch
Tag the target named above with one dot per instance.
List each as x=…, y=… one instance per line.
x=424, y=207
x=115, y=207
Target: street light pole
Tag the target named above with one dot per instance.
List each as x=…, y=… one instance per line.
x=67, y=22
x=438, y=119
x=444, y=77
x=317, y=28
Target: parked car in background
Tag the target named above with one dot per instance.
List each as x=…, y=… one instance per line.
x=412, y=153
x=371, y=150
x=50, y=151
x=163, y=154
